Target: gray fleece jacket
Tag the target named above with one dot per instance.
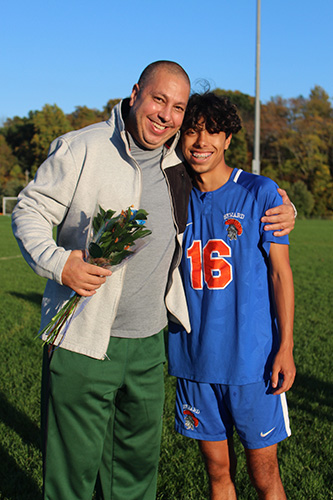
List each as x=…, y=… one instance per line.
x=84, y=168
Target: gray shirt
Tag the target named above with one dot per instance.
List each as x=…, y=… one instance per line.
x=141, y=311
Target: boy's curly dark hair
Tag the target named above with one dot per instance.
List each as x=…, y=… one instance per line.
x=218, y=113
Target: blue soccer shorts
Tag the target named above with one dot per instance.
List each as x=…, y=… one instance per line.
x=210, y=412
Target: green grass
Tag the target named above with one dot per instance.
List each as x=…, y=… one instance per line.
x=305, y=458
x=20, y=364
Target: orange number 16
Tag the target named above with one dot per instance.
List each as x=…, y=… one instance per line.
x=217, y=271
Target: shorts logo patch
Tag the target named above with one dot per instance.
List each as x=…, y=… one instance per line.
x=234, y=228
x=264, y=434
x=190, y=420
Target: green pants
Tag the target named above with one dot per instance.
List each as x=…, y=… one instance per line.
x=102, y=421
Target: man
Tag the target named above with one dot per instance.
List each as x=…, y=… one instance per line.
x=235, y=365
x=103, y=388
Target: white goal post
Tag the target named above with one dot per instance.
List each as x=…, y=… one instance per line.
x=8, y=204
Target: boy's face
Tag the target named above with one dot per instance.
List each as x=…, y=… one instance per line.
x=203, y=151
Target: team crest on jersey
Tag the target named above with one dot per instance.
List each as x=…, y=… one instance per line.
x=191, y=422
x=234, y=228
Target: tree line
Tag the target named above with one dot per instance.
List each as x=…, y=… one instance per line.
x=296, y=143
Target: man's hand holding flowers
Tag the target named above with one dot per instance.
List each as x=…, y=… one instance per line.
x=82, y=277
x=113, y=239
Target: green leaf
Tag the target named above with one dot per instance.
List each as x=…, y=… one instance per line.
x=109, y=214
x=116, y=258
x=141, y=215
x=141, y=234
x=95, y=250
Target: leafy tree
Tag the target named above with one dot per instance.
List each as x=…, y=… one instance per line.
x=318, y=104
x=11, y=178
x=244, y=102
x=108, y=108
x=7, y=160
x=12, y=181
x=297, y=145
x=48, y=124
x=309, y=142
x=302, y=198
x=83, y=116
x=14, y=185
x=274, y=125
x=18, y=133
x=236, y=155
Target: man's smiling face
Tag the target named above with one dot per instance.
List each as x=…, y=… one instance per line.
x=157, y=110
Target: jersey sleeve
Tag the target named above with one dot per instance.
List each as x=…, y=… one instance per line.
x=268, y=197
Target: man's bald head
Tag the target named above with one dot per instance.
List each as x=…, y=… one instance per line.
x=172, y=67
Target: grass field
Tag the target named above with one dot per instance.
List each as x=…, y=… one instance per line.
x=305, y=458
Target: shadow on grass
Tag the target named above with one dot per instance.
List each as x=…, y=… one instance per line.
x=34, y=297
x=15, y=484
x=19, y=422
x=313, y=396
x=310, y=404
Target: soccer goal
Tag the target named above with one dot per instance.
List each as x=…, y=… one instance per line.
x=8, y=203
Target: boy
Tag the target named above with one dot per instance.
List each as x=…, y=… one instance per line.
x=235, y=365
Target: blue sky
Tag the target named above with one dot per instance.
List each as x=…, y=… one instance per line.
x=75, y=53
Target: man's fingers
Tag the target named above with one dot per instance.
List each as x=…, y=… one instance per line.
x=276, y=229
x=280, y=229
x=89, y=284
x=275, y=226
x=277, y=211
x=285, y=197
x=82, y=277
x=282, y=223
x=284, y=232
x=286, y=212
x=98, y=271
x=85, y=293
x=92, y=281
x=280, y=219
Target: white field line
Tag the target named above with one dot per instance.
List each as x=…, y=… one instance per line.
x=11, y=257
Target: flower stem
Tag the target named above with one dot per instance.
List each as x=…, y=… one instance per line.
x=53, y=328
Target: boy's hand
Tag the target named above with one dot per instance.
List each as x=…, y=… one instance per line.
x=283, y=367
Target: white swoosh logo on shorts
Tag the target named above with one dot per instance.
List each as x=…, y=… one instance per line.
x=264, y=434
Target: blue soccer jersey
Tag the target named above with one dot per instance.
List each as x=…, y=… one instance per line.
x=224, y=268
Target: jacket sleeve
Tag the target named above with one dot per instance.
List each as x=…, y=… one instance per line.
x=42, y=205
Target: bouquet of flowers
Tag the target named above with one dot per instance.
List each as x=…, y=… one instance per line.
x=112, y=241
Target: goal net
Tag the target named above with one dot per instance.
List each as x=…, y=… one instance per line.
x=8, y=203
